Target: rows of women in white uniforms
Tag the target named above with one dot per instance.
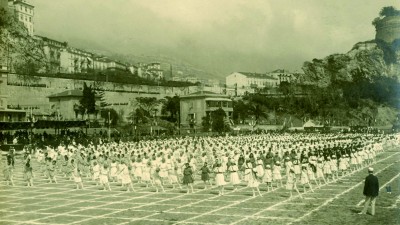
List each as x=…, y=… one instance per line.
x=221, y=161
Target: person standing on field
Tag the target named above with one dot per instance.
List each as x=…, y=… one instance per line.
x=371, y=191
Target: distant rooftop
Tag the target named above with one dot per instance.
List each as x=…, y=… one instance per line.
x=201, y=94
x=258, y=75
x=69, y=93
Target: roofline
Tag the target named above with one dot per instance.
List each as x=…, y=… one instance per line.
x=13, y=110
x=19, y=1
x=205, y=96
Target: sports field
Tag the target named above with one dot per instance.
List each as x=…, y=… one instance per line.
x=335, y=203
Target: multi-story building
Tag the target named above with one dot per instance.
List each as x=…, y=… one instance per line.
x=282, y=75
x=24, y=12
x=197, y=105
x=115, y=65
x=154, y=71
x=52, y=50
x=73, y=60
x=245, y=80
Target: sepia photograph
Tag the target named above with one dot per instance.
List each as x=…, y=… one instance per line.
x=209, y=112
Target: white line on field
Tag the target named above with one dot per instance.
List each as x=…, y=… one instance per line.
x=326, y=202
x=394, y=205
x=384, y=185
x=336, y=197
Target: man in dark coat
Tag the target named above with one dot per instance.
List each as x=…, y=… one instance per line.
x=371, y=191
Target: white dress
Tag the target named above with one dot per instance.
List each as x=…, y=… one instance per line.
x=219, y=177
x=163, y=170
x=138, y=169
x=96, y=172
x=234, y=176
x=146, y=174
x=260, y=169
x=103, y=176
x=125, y=177
x=113, y=170
x=267, y=176
x=277, y=173
x=304, y=177
x=253, y=182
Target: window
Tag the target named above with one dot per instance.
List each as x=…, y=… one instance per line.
x=30, y=19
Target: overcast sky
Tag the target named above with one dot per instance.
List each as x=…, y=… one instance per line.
x=218, y=35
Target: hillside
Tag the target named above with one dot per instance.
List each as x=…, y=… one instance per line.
x=373, y=58
x=167, y=62
x=370, y=59
x=18, y=50
x=360, y=86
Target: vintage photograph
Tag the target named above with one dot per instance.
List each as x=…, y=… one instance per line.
x=209, y=112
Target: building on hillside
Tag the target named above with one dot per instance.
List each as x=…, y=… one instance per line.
x=116, y=65
x=65, y=104
x=24, y=12
x=100, y=63
x=195, y=106
x=73, y=60
x=154, y=71
x=135, y=70
x=283, y=75
x=243, y=80
x=151, y=71
x=52, y=50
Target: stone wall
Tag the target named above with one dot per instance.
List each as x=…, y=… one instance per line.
x=32, y=92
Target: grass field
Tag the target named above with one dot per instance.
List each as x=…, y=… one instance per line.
x=335, y=203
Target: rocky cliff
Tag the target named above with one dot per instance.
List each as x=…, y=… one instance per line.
x=372, y=58
x=378, y=57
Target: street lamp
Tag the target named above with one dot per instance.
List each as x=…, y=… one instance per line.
x=109, y=124
x=253, y=123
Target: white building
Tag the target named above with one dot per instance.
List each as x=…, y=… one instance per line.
x=24, y=12
x=52, y=50
x=245, y=80
x=73, y=60
x=283, y=75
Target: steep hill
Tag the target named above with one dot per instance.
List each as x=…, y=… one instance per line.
x=373, y=58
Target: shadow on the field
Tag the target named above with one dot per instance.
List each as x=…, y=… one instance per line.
x=355, y=210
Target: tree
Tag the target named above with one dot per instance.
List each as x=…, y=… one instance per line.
x=148, y=104
x=206, y=123
x=218, y=123
x=257, y=110
x=171, y=105
x=103, y=102
x=88, y=101
x=24, y=54
x=240, y=111
x=114, y=117
x=389, y=11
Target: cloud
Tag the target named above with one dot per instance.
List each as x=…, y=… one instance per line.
x=219, y=35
